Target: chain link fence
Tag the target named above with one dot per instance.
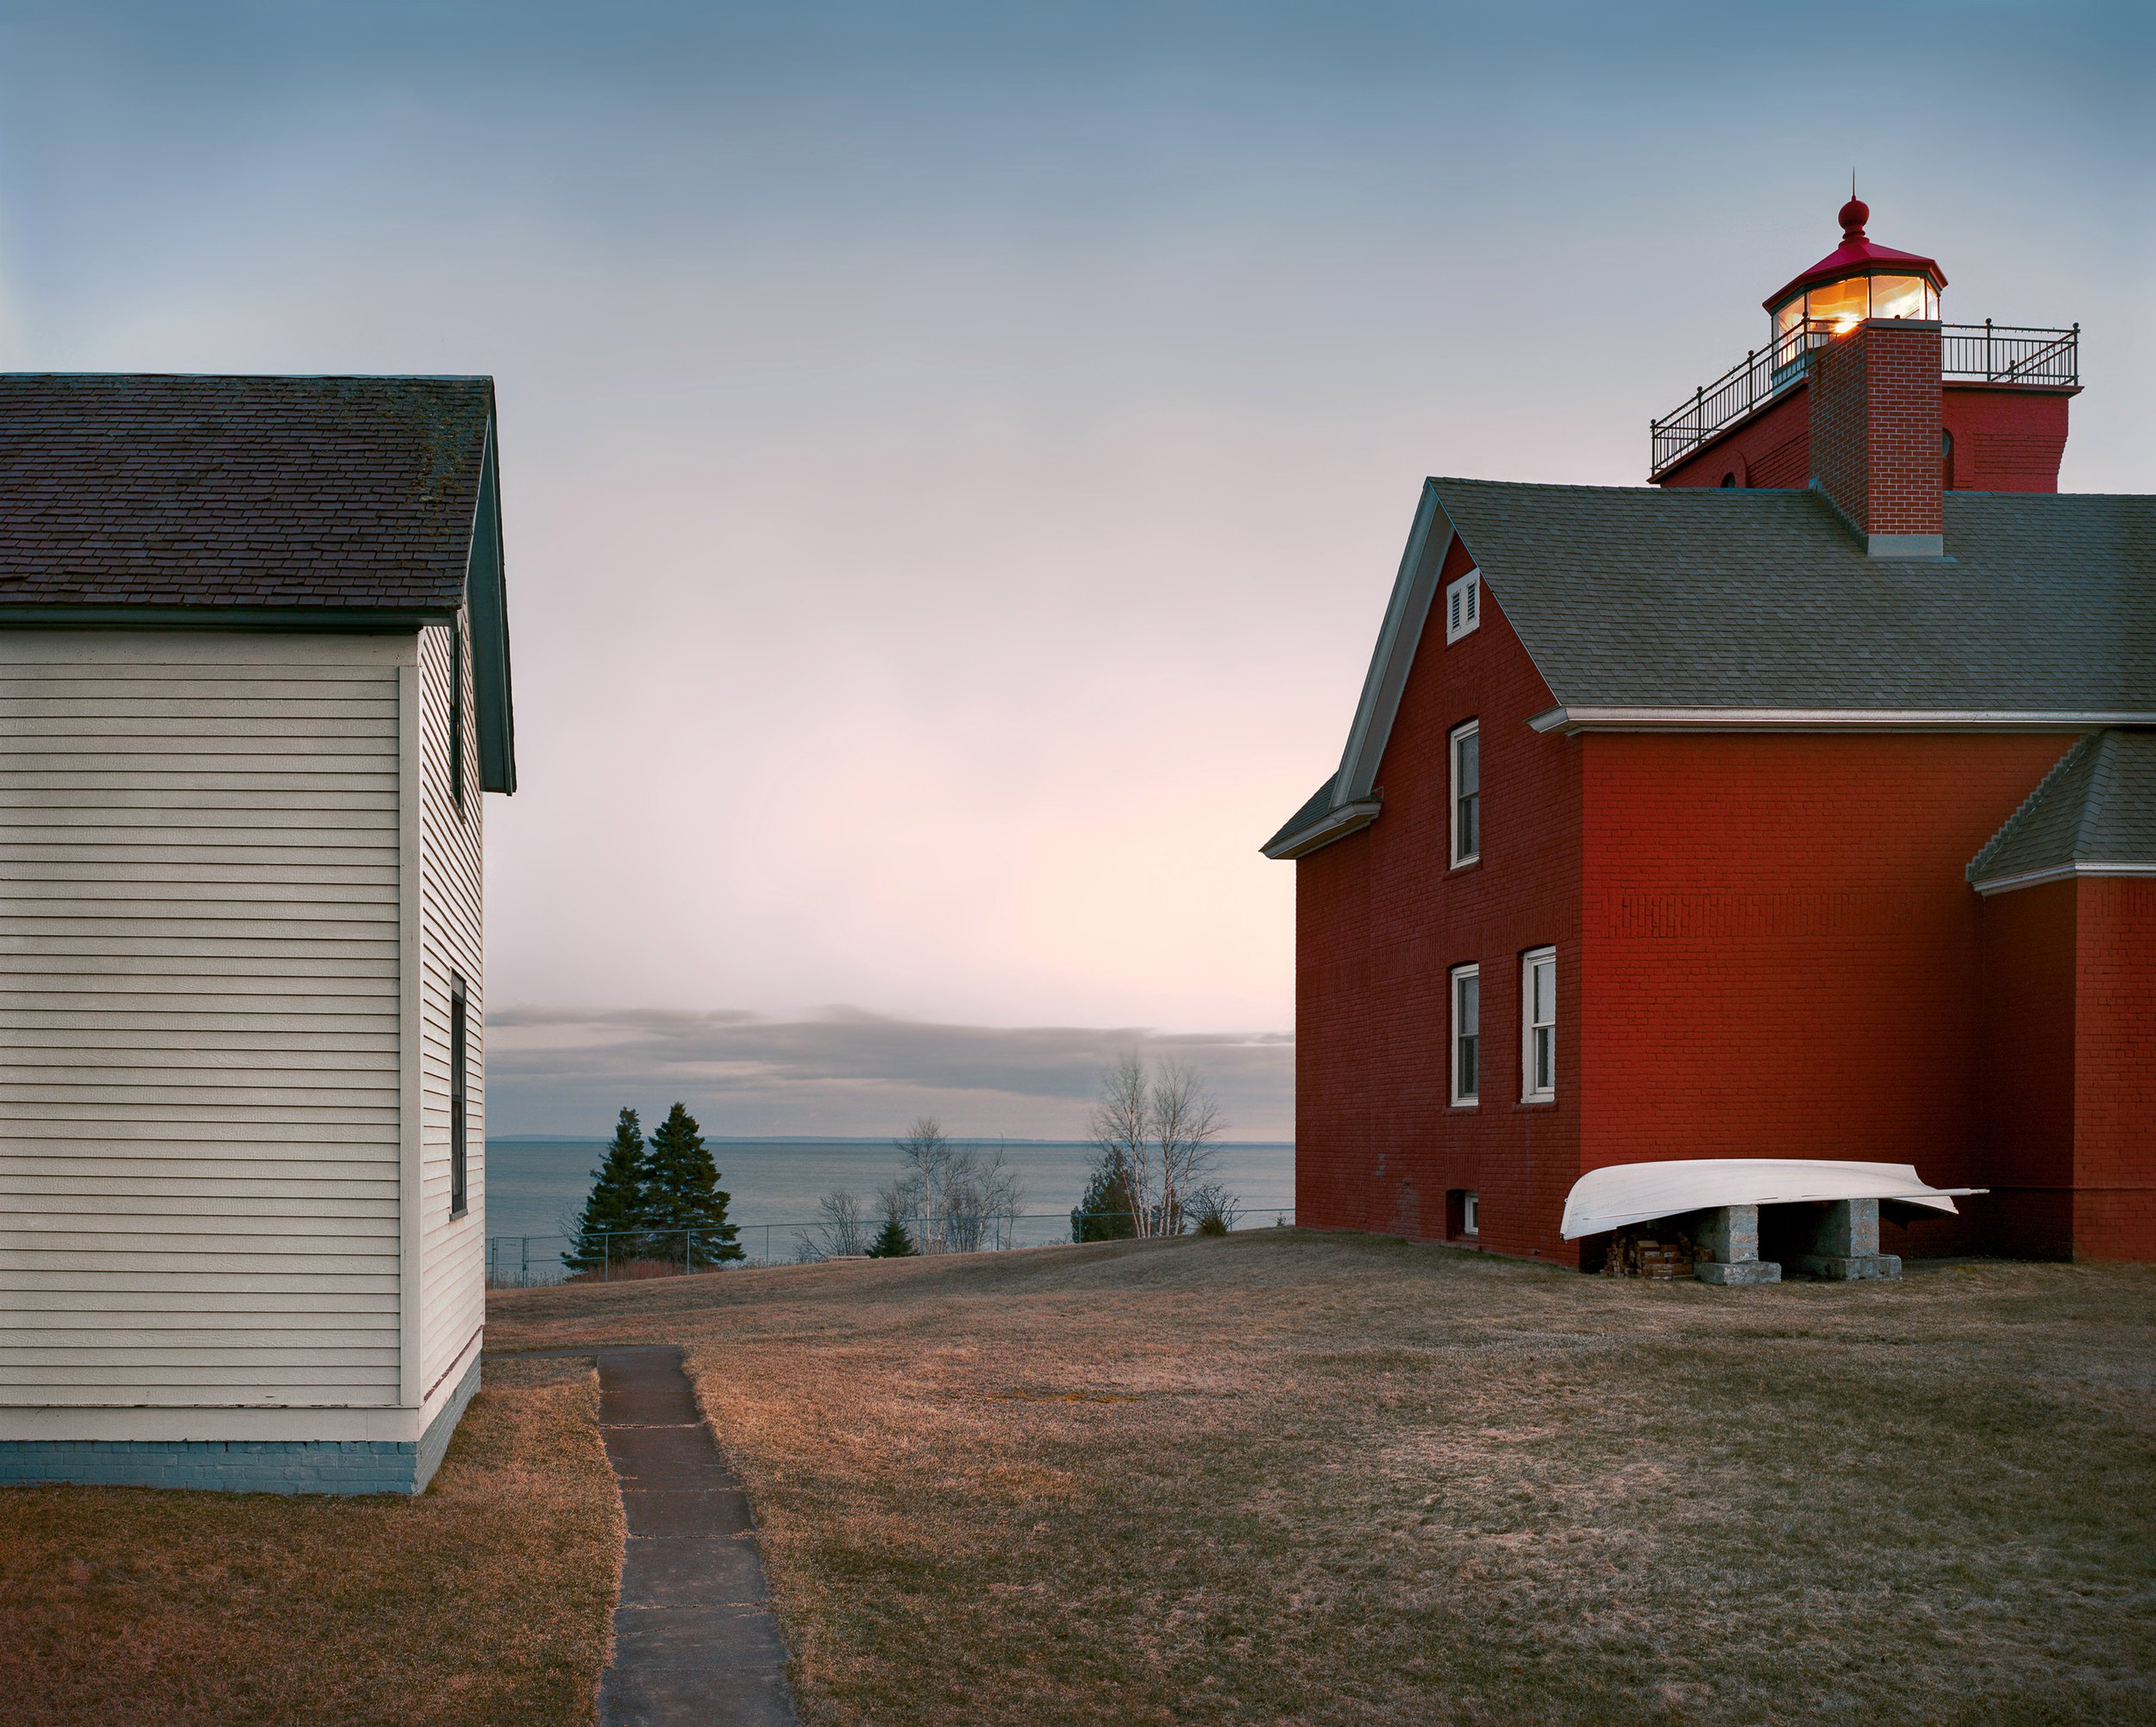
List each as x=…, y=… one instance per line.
x=521, y=1261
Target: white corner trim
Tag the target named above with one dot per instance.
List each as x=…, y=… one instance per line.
x=1569, y=719
x=1335, y=824
x=410, y=1031
x=2060, y=872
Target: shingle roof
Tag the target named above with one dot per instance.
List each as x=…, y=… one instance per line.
x=155, y=490
x=1712, y=598
x=2097, y=807
x=1314, y=806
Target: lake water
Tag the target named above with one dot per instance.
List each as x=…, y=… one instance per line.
x=534, y=1187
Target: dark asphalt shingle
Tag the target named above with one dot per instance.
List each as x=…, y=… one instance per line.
x=2097, y=806
x=1315, y=807
x=1701, y=597
x=164, y=490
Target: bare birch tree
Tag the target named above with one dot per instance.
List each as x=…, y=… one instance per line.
x=1185, y=1121
x=960, y=1193
x=926, y=1176
x=1159, y=1132
x=1120, y=1128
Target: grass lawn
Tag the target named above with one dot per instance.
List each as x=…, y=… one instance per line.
x=485, y=1602
x=1293, y=1478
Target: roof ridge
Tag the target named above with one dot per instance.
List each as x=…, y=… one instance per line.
x=2066, y=764
x=2101, y=772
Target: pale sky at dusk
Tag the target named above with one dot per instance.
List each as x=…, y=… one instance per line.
x=955, y=456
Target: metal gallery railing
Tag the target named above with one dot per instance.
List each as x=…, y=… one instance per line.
x=1985, y=353
x=521, y=1261
x=2010, y=354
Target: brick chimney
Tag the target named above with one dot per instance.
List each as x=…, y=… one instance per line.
x=1875, y=434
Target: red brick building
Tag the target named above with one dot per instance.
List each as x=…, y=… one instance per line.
x=1801, y=804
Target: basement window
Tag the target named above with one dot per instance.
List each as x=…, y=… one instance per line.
x=1467, y=793
x=1467, y=1035
x=1538, y=1025
x=1463, y=605
x=1470, y=1214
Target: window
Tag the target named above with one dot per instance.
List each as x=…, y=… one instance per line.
x=1467, y=1033
x=1467, y=794
x=1470, y=1214
x=1538, y=1025
x=1463, y=605
x=1462, y=1214
x=457, y=715
x=458, y=1039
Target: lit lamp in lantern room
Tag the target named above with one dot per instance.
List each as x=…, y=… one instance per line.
x=1858, y=280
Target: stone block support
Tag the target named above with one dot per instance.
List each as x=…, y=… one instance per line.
x=1727, y=1248
x=1845, y=1245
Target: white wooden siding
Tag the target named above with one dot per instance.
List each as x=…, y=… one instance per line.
x=452, y=1253
x=199, y=1014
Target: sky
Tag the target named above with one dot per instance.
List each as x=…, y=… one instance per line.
x=955, y=456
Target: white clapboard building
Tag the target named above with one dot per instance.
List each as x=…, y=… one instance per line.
x=254, y=681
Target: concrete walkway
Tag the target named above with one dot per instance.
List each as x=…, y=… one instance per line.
x=694, y=1642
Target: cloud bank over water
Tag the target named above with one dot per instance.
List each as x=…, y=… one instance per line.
x=844, y=1072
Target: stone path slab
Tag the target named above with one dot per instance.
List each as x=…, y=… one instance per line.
x=694, y=1642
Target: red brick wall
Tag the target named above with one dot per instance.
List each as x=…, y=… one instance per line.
x=1381, y=918
x=1771, y=450
x=1780, y=947
x=2026, y=1134
x=1875, y=405
x=2005, y=440
x=2114, y=1078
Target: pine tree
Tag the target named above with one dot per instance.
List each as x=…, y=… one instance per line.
x=683, y=1202
x=1109, y=1212
x=891, y=1242
x=605, y=1231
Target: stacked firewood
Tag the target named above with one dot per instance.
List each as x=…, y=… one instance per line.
x=1649, y=1252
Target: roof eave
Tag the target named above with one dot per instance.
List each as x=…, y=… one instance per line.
x=2058, y=872
x=281, y=619
x=1336, y=823
x=1571, y=717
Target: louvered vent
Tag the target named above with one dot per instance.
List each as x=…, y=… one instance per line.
x=1463, y=605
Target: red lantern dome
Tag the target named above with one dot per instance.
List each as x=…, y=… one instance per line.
x=1858, y=280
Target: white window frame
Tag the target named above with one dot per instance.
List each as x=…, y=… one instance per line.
x=1459, y=735
x=1534, y=959
x=1466, y=1098
x=1462, y=606
x=1471, y=1212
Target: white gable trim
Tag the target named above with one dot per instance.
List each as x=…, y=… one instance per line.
x=1414, y=590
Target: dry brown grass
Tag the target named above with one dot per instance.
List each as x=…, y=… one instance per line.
x=1292, y=1478
x=486, y=1601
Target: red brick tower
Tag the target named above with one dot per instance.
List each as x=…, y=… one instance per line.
x=1861, y=389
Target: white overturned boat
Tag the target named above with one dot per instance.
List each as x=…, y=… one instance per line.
x=1619, y=1194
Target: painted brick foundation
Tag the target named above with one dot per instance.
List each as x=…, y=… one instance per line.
x=340, y=1466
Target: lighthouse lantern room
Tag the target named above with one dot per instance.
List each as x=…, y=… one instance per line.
x=2002, y=391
